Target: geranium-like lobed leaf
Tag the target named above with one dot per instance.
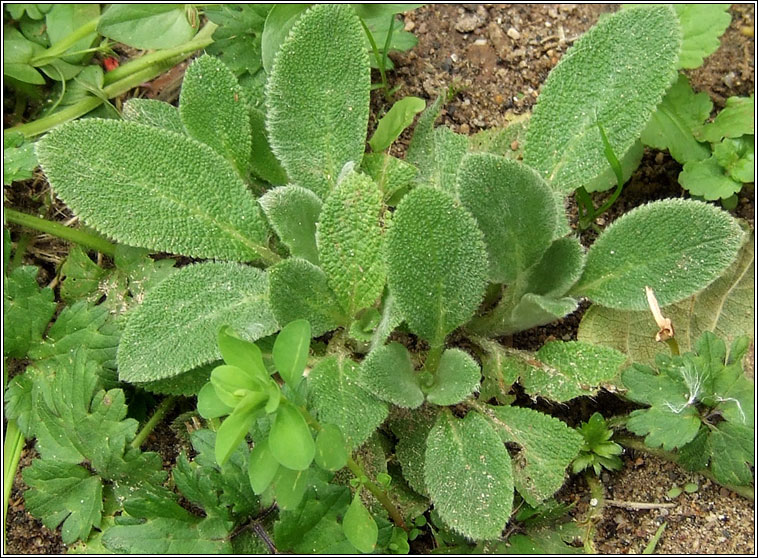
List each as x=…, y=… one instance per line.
x=27, y=310
x=351, y=242
x=152, y=188
x=676, y=247
x=213, y=110
x=437, y=263
x=317, y=97
x=702, y=25
x=469, y=476
x=615, y=75
x=175, y=328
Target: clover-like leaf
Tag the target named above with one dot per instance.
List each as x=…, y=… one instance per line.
x=615, y=75
x=469, y=477
x=437, y=263
x=175, y=328
x=351, y=242
x=317, y=97
x=676, y=247
x=180, y=195
x=514, y=208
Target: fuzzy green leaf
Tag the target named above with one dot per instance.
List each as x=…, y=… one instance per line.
x=468, y=473
x=412, y=429
x=290, y=351
x=708, y=179
x=27, y=309
x=606, y=180
x=153, y=113
x=299, y=290
x=449, y=150
x=736, y=119
x=263, y=162
x=725, y=308
x=615, y=75
x=64, y=493
x=457, y=376
x=559, y=268
x=547, y=448
x=359, y=526
x=152, y=188
x=213, y=110
x=392, y=175
x=676, y=247
x=676, y=119
x=338, y=398
x=733, y=449
x=437, y=263
x=317, y=97
x=351, y=242
x=566, y=370
x=506, y=141
x=175, y=328
x=398, y=118
x=514, y=208
x=702, y=25
x=293, y=213
x=279, y=22
x=388, y=373
x=147, y=26
x=536, y=310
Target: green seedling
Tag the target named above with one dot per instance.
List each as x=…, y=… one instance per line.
x=598, y=451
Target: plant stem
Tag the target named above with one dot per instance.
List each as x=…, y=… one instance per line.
x=166, y=405
x=378, y=493
x=12, y=447
x=78, y=236
x=56, y=50
x=639, y=445
x=131, y=75
x=596, y=510
x=433, y=358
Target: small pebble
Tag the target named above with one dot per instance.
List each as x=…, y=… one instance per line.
x=467, y=24
x=464, y=129
x=513, y=34
x=747, y=30
x=659, y=158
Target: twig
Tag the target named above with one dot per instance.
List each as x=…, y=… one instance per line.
x=639, y=505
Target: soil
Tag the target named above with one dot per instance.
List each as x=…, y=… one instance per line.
x=498, y=56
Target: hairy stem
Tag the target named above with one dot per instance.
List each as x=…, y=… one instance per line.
x=638, y=445
x=433, y=358
x=77, y=236
x=165, y=406
x=596, y=510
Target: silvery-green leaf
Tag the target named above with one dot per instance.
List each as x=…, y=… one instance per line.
x=213, y=110
x=152, y=188
x=676, y=247
x=457, y=376
x=388, y=373
x=351, y=242
x=469, y=477
x=153, y=113
x=615, y=75
x=437, y=262
x=514, y=208
x=317, y=97
x=293, y=213
x=175, y=329
x=558, y=269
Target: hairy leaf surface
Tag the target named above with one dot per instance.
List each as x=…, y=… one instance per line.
x=547, y=448
x=388, y=373
x=514, y=208
x=317, y=97
x=351, y=242
x=676, y=247
x=437, y=263
x=468, y=473
x=338, y=398
x=299, y=290
x=175, y=328
x=456, y=378
x=293, y=213
x=615, y=74
x=213, y=110
x=152, y=188
x=725, y=308
x=153, y=112
x=559, y=268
